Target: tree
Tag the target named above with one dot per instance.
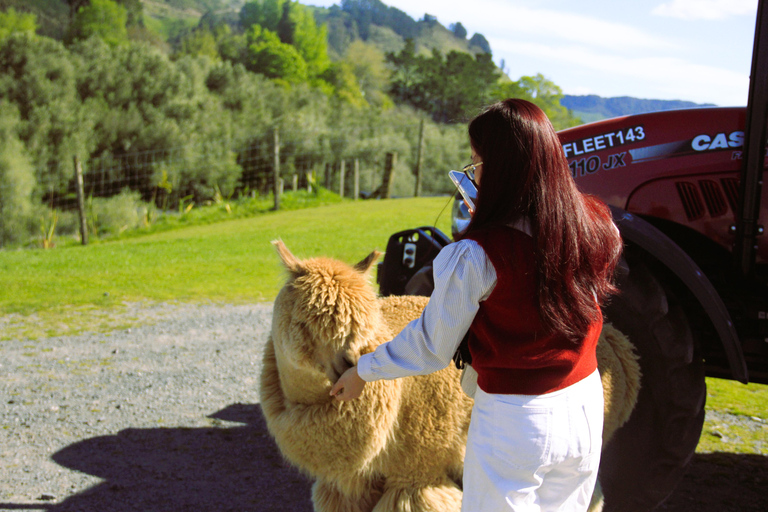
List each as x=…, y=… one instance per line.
x=407, y=74
x=12, y=22
x=286, y=27
x=74, y=6
x=135, y=12
x=103, y=18
x=345, y=86
x=17, y=180
x=266, y=13
x=463, y=84
x=295, y=26
x=267, y=55
x=141, y=101
x=341, y=31
x=370, y=69
x=310, y=40
x=199, y=42
x=479, y=41
x=429, y=19
x=447, y=87
x=231, y=46
x=363, y=13
x=250, y=14
x=458, y=30
x=37, y=76
x=543, y=92
x=547, y=95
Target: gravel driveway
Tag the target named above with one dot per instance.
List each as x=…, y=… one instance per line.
x=165, y=417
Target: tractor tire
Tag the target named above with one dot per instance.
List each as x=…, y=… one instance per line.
x=647, y=457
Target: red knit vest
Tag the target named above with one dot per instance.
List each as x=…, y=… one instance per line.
x=508, y=344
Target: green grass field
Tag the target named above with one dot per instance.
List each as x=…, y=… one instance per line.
x=68, y=289
x=75, y=288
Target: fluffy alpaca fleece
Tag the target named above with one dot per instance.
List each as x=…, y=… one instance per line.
x=400, y=446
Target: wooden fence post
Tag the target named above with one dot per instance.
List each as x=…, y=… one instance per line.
x=295, y=182
x=419, y=159
x=356, y=179
x=276, y=168
x=389, y=170
x=342, y=171
x=81, y=201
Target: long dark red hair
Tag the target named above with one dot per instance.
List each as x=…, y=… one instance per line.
x=525, y=175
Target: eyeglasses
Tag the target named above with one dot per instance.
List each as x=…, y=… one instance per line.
x=469, y=172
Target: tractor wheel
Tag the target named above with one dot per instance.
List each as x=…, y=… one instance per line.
x=647, y=457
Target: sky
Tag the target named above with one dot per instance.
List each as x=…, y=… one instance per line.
x=694, y=50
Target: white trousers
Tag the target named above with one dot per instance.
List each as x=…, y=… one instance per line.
x=534, y=453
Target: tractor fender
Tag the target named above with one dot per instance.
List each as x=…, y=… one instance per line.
x=646, y=236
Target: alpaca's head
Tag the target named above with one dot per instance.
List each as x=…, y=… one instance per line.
x=327, y=313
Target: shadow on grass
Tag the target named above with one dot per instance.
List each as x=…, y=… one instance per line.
x=173, y=469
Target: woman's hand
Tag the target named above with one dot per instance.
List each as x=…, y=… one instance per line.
x=349, y=386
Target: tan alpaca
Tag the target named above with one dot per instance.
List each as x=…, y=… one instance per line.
x=400, y=446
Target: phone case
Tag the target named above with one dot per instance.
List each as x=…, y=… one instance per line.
x=465, y=186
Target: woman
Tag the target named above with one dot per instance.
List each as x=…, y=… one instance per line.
x=526, y=278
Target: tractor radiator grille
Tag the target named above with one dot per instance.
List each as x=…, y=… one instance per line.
x=713, y=197
x=691, y=198
x=731, y=186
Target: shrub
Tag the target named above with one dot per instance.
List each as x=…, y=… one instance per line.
x=112, y=216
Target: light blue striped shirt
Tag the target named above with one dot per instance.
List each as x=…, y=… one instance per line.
x=464, y=276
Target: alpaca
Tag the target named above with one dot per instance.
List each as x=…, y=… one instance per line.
x=400, y=446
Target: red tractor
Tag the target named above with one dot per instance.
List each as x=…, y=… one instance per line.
x=685, y=188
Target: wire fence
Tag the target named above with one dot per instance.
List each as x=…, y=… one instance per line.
x=165, y=176
x=136, y=189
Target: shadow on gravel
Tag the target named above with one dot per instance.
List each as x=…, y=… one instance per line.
x=240, y=469
x=722, y=482
x=172, y=469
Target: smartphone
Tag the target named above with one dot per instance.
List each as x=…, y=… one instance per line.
x=465, y=186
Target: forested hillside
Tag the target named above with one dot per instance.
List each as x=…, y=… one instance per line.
x=388, y=28
x=169, y=105
x=52, y=16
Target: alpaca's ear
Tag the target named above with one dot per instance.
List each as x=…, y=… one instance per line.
x=365, y=265
x=290, y=261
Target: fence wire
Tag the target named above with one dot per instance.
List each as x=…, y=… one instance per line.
x=165, y=176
